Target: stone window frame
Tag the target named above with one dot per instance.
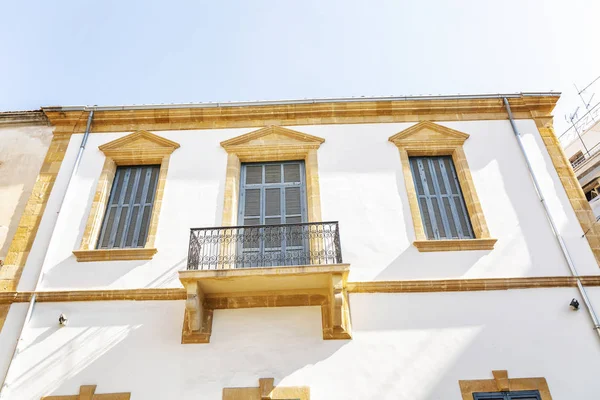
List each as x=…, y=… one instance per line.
x=138, y=148
x=88, y=392
x=267, y=391
x=272, y=143
x=501, y=383
x=429, y=139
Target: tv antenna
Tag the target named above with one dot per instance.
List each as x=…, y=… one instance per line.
x=591, y=114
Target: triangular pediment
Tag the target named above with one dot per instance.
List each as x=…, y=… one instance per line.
x=139, y=141
x=273, y=136
x=427, y=133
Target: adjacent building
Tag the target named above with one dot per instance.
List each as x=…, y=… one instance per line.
x=432, y=247
x=583, y=155
x=24, y=140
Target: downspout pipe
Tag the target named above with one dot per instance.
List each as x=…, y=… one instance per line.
x=39, y=278
x=563, y=247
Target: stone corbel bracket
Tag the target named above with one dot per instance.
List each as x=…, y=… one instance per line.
x=323, y=285
x=336, y=312
x=197, y=322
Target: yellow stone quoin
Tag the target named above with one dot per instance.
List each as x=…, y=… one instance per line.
x=22, y=242
x=429, y=139
x=138, y=148
x=567, y=177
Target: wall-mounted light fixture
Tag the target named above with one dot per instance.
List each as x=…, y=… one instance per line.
x=574, y=304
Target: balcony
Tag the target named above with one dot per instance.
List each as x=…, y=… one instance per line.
x=265, y=266
x=316, y=243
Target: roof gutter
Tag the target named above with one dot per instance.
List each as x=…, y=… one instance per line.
x=304, y=101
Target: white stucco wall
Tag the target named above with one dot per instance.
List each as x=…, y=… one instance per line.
x=9, y=334
x=361, y=186
x=405, y=347
x=22, y=151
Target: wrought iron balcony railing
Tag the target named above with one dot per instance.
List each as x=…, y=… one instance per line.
x=225, y=247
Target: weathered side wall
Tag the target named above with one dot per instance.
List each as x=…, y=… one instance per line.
x=22, y=151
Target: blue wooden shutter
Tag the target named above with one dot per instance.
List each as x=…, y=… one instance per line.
x=517, y=395
x=127, y=216
x=490, y=396
x=441, y=202
x=272, y=194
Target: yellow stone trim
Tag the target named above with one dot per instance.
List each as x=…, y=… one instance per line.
x=4, y=309
x=293, y=298
x=115, y=254
x=138, y=148
x=264, y=136
x=357, y=112
x=272, y=143
x=21, y=244
x=501, y=383
x=468, y=285
x=88, y=392
x=454, y=245
x=567, y=177
x=267, y=391
x=96, y=215
x=429, y=139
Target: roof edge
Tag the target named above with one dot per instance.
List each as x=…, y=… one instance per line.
x=301, y=101
x=34, y=117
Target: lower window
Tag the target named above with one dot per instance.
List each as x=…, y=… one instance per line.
x=520, y=395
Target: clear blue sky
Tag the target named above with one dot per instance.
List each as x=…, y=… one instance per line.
x=131, y=52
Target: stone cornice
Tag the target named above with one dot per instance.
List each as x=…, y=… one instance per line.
x=468, y=285
x=23, y=118
x=406, y=286
x=368, y=111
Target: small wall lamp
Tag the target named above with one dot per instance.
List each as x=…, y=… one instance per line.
x=574, y=304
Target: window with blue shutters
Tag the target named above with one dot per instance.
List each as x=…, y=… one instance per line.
x=127, y=216
x=441, y=201
x=517, y=395
x=272, y=194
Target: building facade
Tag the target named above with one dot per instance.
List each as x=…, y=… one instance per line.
x=389, y=248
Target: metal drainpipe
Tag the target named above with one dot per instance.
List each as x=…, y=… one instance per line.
x=559, y=238
x=39, y=279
